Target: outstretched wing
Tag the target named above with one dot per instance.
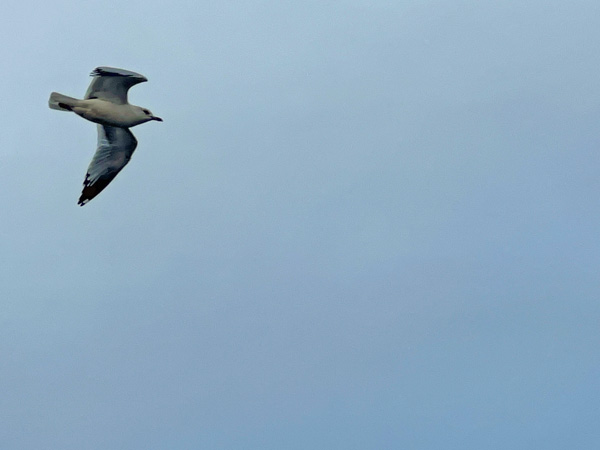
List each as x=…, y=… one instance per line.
x=115, y=147
x=112, y=84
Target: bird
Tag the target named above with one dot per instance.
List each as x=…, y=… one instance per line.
x=105, y=103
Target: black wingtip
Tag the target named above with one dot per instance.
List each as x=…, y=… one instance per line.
x=104, y=71
x=90, y=191
x=96, y=72
x=83, y=200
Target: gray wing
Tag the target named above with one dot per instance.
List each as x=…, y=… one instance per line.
x=115, y=147
x=112, y=84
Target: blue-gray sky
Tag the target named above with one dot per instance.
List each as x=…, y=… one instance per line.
x=362, y=225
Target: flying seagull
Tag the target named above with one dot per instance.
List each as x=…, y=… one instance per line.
x=105, y=103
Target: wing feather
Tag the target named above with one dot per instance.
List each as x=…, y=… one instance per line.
x=112, y=84
x=115, y=147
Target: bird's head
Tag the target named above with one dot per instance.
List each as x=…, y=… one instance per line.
x=149, y=116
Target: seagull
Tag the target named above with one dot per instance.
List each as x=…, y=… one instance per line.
x=105, y=103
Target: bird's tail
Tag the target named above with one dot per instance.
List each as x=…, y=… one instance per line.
x=62, y=102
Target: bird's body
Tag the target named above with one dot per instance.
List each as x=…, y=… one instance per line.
x=106, y=104
x=107, y=113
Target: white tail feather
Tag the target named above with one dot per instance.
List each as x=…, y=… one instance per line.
x=61, y=102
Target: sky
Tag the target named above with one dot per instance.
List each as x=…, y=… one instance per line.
x=361, y=225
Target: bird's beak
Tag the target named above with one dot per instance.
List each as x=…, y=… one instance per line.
x=156, y=118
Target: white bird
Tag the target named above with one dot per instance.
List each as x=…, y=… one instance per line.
x=105, y=103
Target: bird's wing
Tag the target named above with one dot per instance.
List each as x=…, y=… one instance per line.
x=112, y=84
x=115, y=147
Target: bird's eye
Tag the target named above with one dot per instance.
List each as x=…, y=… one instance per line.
x=147, y=112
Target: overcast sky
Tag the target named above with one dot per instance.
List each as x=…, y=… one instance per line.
x=361, y=225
